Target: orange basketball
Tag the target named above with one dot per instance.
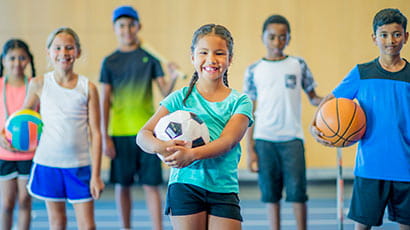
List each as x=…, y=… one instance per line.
x=341, y=121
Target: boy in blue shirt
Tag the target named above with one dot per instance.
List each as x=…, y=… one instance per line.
x=381, y=86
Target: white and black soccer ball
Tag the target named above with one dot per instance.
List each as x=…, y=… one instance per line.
x=182, y=125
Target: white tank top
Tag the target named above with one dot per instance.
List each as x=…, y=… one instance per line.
x=64, y=142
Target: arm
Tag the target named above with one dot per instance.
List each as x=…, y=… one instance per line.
x=250, y=142
x=164, y=86
x=313, y=129
x=314, y=98
x=148, y=142
x=32, y=99
x=107, y=143
x=231, y=135
x=96, y=184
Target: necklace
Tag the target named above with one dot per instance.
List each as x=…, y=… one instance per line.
x=6, y=111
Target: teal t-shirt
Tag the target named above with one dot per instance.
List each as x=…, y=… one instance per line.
x=219, y=174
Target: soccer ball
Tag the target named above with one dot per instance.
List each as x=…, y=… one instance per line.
x=182, y=125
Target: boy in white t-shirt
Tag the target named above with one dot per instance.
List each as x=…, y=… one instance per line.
x=275, y=142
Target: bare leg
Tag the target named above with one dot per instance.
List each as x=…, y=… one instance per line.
x=216, y=223
x=274, y=215
x=84, y=213
x=57, y=217
x=359, y=226
x=123, y=198
x=24, y=216
x=196, y=221
x=300, y=211
x=153, y=199
x=8, y=191
x=404, y=227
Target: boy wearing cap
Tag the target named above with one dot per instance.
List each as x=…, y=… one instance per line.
x=127, y=103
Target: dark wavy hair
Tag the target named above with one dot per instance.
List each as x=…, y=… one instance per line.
x=204, y=30
x=14, y=44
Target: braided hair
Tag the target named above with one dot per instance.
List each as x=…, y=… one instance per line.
x=14, y=44
x=204, y=30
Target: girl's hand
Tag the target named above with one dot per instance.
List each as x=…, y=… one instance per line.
x=180, y=157
x=163, y=152
x=4, y=143
x=96, y=187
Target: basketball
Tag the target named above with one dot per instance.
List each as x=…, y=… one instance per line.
x=23, y=129
x=341, y=121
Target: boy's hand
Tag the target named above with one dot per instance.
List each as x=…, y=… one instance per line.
x=174, y=71
x=96, y=187
x=109, y=148
x=252, y=161
x=319, y=135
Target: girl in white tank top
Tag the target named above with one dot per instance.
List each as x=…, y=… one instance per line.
x=70, y=112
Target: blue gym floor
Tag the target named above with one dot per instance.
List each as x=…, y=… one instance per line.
x=321, y=210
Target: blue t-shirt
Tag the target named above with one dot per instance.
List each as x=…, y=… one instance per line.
x=217, y=174
x=384, y=151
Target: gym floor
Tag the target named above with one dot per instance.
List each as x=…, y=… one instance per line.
x=322, y=209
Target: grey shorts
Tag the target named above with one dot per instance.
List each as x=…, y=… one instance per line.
x=282, y=165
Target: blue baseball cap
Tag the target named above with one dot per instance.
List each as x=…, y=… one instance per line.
x=127, y=11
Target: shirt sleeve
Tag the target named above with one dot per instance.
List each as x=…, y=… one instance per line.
x=157, y=69
x=245, y=107
x=349, y=86
x=249, y=87
x=308, y=83
x=105, y=76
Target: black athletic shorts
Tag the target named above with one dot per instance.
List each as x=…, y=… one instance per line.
x=131, y=161
x=187, y=199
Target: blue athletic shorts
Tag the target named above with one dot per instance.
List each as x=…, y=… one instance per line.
x=370, y=198
x=187, y=199
x=14, y=169
x=60, y=184
x=281, y=164
x=131, y=161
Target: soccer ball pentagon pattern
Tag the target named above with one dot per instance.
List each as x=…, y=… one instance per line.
x=182, y=125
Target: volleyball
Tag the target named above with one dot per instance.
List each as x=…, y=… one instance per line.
x=23, y=129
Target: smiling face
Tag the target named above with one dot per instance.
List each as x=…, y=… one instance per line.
x=390, y=39
x=15, y=62
x=63, y=51
x=275, y=38
x=211, y=57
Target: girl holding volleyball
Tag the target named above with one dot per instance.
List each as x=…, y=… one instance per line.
x=14, y=166
x=63, y=169
x=203, y=184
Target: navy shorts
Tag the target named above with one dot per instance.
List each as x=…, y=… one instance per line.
x=14, y=169
x=370, y=198
x=281, y=165
x=60, y=184
x=187, y=199
x=131, y=161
